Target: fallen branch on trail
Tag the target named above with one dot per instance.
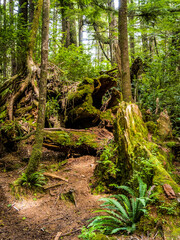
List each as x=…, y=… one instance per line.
x=59, y=234
x=52, y=186
x=54, y=176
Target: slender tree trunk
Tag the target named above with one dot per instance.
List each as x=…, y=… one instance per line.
x=5, y=44
x=37, y=148
x=31, y=10
x=22, y=35
x=68, y=25
x=131, y=37
x=34, y=30
x=72, y=23
x=151, y=47
x=54, y=29
x=13, y=56
x=80, y=30
x=112, y=31
x=123, y=44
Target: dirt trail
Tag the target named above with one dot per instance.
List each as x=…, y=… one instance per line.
x=44, y=215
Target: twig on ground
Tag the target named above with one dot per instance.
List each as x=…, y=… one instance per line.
x=59, y=234
x=55, y=176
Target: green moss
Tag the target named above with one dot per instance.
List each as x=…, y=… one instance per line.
x=101, y=236
x=171, y=144
x=107, y=115
x=24, y=110
x=60, y=137
x=3, y=114
x=152, y=127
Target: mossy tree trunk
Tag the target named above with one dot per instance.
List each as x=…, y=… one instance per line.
x=37, y=148
x=138, y=155
x=123, y=45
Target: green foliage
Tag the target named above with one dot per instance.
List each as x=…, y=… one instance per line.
x=107, y=169
x=123, y=212
x=108, y=159
x=36, y=179
x=52, y=107
x=75, y=63
x=87, y=234
x=168, y=208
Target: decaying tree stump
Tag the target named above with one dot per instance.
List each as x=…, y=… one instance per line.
x=137, y=155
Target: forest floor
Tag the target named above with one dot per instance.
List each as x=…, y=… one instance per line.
x=44, y=215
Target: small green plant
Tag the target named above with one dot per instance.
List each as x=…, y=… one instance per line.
x=168, y=208
x=108, y=159
x=36, y=179
x=87, y=233
x=123, y=212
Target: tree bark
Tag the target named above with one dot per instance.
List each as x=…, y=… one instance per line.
x=22, y=35
x=123, y=44
x=112, y=31
x=31, y=10
x=68, y=25
x=5, y=44
x=37, y=148
x=131, y=37
x=13, y=58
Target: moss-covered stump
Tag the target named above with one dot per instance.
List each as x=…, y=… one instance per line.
x=73, y=141
x=84, y=105
x=137, y=155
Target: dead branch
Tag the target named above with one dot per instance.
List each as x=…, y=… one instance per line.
x=54, y=176
x=59, y=234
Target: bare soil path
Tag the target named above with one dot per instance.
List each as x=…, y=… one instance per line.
x=42, y=216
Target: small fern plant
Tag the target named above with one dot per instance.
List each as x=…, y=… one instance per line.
x=123, y=211
x=36, y=179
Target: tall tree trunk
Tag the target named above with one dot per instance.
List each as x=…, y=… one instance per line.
x=31, y=10
x=5, y=44
x=123, y=45
x=68, y=25
x=131, y=37
x=13, y=57
x=55, y=27
x=22, y=35
x=80, y=30
x=112, y=31
x=37, y=148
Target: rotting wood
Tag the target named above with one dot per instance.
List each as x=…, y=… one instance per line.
x=54, y=176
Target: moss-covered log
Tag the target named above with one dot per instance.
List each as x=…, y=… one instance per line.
x=73, y=141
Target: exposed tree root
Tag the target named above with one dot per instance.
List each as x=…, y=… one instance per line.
x=13, y=99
